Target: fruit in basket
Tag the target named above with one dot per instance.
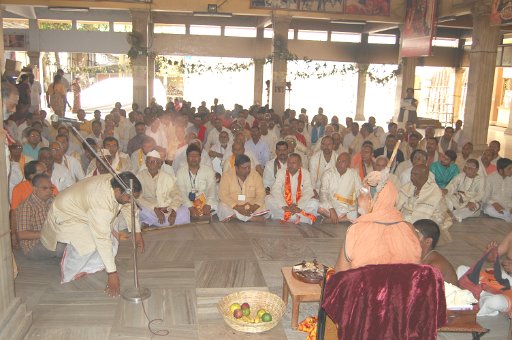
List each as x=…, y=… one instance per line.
x=261, y=312
x=237, y=313
x=245, y=305
x=246, y=311
x=234, y=307
x=247, y=319
x=267, y=317
x=257, y=319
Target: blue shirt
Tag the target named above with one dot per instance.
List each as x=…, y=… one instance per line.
x=31, y=153
x=261, y=150
x=444, y=174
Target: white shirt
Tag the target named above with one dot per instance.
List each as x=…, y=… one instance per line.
x=498, y=189
x=270, y=172
x=339, y=191
x=159, y=191
x=158, y=136
x=278, y=189
x=74, y=167
x=213, y=137
x=318, y=165
x=271, y=139
x=180, y=158
x=348, y=139
x=61, y=177
x=15, y=176
x=217, y=161
x=202, y=183
x=260, y=149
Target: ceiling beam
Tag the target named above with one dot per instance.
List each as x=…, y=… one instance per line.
x=372, y=28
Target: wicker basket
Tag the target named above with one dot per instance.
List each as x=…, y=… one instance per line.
x=257, y=300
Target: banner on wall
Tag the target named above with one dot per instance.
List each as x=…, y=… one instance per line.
x=501, y=12
x=419, y=28
x=356, y=7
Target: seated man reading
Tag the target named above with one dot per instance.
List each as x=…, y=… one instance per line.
x=241, y=193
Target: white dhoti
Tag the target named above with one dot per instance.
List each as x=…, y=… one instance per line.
x=75, y=266
x=148, y=217
x=225, y=212
x=277, y=212
x=491, y=211
x=459, y=210
x=341, y=211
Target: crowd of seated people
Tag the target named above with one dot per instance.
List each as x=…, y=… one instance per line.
x=252, y=164
x=310, y=172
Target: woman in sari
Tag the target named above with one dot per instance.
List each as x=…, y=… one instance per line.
x=56, y=96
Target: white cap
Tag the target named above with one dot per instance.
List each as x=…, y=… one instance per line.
x=154, y=154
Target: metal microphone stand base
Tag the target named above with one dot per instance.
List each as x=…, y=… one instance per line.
x=136, y=295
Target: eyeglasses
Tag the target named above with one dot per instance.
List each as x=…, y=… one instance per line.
x=55, y=149
x=44, y=187
x=16, y=147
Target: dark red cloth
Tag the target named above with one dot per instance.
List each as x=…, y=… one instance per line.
x=390, y=301
x=201, y=134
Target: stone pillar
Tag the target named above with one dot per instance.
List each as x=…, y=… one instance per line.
x=280, y=25
x=404, y=81
x=482, y=64
x=508, y=131
x=258, y=80
x=14, y=318
x=457, y=93
x=34, y=58
x=361, y=91
x=151, y=78
x=140, y=21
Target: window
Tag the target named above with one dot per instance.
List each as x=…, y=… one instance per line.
x=204, y=30
x=345, y=37
x=269, y=33
x=169, y=29
x=312, y=35
x=236, y=31
x=122, y=26
x=386, y=39
x=100, y=26
x=15, y=23
x=445, y=42
x=63, y=25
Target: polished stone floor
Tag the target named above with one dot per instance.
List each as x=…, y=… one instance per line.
x=189, y=268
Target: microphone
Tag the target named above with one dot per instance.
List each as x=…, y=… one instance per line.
x=57, y=119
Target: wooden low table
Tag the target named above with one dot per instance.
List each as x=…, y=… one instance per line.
x=463, y=321
x=300, y=292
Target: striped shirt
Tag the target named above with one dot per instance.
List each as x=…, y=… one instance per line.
x=30, y=216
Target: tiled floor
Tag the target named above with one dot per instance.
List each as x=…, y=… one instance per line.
x=189, y=268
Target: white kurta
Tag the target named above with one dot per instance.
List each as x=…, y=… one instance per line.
x=74, y=167
x=318, y=165
x=428, y=204
x=217, y=161
x=61, y=177
x=82, y=217
x=276, y=200
x=338, y=192
x=271, y=169
x=461, y=191
x=213, y=137
x=498, y=190
x=201, y=183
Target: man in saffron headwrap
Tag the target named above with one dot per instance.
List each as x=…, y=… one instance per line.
x=380, y=235
x=291, y=197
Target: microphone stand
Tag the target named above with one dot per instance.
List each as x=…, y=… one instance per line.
x=135, y=294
